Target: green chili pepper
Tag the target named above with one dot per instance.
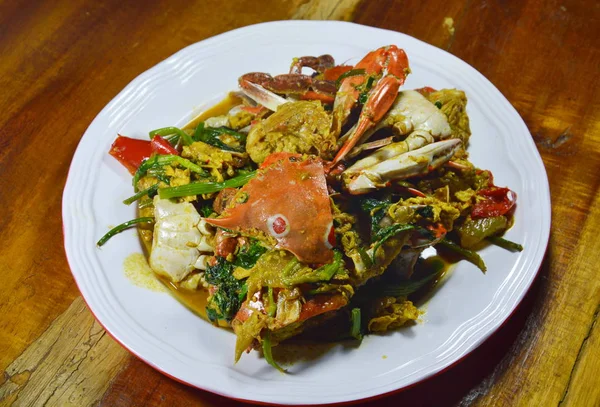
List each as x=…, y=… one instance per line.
x=469, y=255
x=505, y=244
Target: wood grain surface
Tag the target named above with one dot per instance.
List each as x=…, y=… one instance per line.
x=63, y=60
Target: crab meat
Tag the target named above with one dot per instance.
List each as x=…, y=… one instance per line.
x=288, y=201
x=178, y=239
x=416, y=140
x=412, y=111
x=405, y=165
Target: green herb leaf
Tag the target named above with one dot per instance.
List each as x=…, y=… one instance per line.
x=426, y=212
x=377, y=210
x=161, y=160
x=249, y=255
x=226, y=301
x=363, y=97
x=206, y=209
x=212, y=136
x=385, y=233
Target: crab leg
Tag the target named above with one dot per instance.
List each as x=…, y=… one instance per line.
x=406, y=165
x=264, y=88
x=319, y=64
x=392, y=63
x=259, y=94
x=414, y=141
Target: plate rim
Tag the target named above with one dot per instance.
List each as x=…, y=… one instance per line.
x=495, y=326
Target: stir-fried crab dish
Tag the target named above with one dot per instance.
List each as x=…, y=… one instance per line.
x=306, y=203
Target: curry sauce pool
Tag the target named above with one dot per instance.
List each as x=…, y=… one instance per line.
x=195, y=300
x=137, y=270
x=221, y=108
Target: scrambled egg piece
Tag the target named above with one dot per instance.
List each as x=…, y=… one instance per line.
x=298, y=127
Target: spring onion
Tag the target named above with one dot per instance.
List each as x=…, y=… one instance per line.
x=146, y=204
x=150, y=190
x=122, y=227
x=355, y=330
x=266, y=346
x=505, y=244
x=198, y=188
x=272, y=305
x=165, y=131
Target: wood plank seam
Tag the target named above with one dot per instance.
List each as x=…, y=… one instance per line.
x=577, y=359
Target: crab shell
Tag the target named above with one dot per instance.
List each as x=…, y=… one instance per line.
x=287, y=200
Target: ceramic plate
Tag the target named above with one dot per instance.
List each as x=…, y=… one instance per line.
x=466, y=309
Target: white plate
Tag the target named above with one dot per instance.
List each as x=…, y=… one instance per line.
x=465, y=310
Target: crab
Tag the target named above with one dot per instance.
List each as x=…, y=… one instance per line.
x=376, y=79
x=301, y=221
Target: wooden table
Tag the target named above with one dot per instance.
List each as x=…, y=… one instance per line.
x=62, y=61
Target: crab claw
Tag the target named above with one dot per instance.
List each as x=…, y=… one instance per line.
x=391, y=63
x=409, y=164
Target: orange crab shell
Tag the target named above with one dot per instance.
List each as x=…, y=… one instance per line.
x=287, y=200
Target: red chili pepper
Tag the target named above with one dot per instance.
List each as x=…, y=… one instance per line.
x=498, y=202
x=416, y=192
x=438, y=230
x=332, y=74
x=130, y=152
x=311, y=95
x=253, y=109
x=161, y=146
x=425, y=90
